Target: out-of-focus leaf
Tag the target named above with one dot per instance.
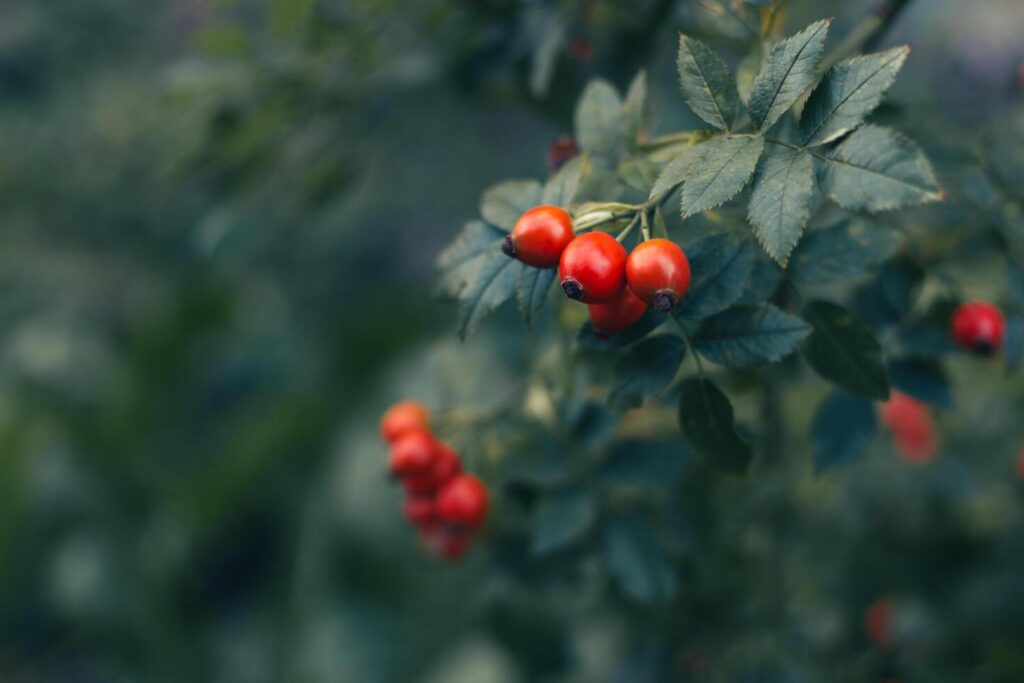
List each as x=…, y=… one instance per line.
x=719, y=268
x=842, y=430
x=634, y=109
x=645, y=464
x=639, y=173
x=923, y=379
x=637, y=562
x=598, y=128
x=844, y=350
x=706, y=418
x=634, y=333
x=503, y=204
x=786, y=74
x=842, y=252
x=645, y=369
x=532, y=292
x=561, y=189
x=562, y=518
x=747, y=335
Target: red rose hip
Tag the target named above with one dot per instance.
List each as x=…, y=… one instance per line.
x=539, y=237
x=616, y=315
x=403, y=417
x=978, y=327
x=658, y=272
x=412, y=454
x=463, y=502
x=420, y=510
x=593, y=268
x=912, y=428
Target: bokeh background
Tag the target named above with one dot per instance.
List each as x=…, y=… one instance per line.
x=219, y=220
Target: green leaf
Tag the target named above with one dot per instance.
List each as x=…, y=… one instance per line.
x=707, y=84
x=637, y=562
x=719, y=269
x=875, y=169
x=588, y=423
x=503, y=204
x=562, y=518
x=532, y=292
x=597, y=120
x=789, y=71
x=763, y=281
x=477, y=273
x=781, y=200
x=849, y=91
x=648, y=323
x=923, y=379
x=746, y=335
x=561, y=189
x=653, y=464
x=644, y=370
x=677, y=170
x=633, y=109
x=842, y=430
x=639, y=173
x=844, y=351
x=842, y=252
x=459, y=261
x=706, y=418
x=725, y=166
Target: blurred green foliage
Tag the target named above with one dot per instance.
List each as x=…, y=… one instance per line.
x=219, y=224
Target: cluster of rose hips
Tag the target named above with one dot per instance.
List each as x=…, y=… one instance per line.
x=446, y=505
x=595, y=269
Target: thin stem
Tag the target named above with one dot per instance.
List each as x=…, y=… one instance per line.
x=629, y=228
x=769, y=22
x=689, y=346
x=690, y=136
x=868, y=33
x=645, y=228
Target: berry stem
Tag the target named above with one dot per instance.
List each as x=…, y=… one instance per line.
x=689, y=347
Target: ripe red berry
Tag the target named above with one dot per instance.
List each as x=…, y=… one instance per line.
x=978, y=327
x=912, y=428
x=560, y=151
x=450, y=544
x=445, y=466
x=401, y=418
x=412, y=454
x=593, y=268
x=420, y=510
x=658, y=272
x=539, y=237
x=878, y=622
x=617, y=314
x=463, y=502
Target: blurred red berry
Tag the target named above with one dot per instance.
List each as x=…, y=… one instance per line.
x=420, y=510
x=449, y=544
x=978, y=326
x=412, y=454
x=401, y=418
x=878, y=623
x=912, y=428
x=1020, y=465
x=539, y=237
x=561, y=150
x=463, y=502
x=582, y=49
